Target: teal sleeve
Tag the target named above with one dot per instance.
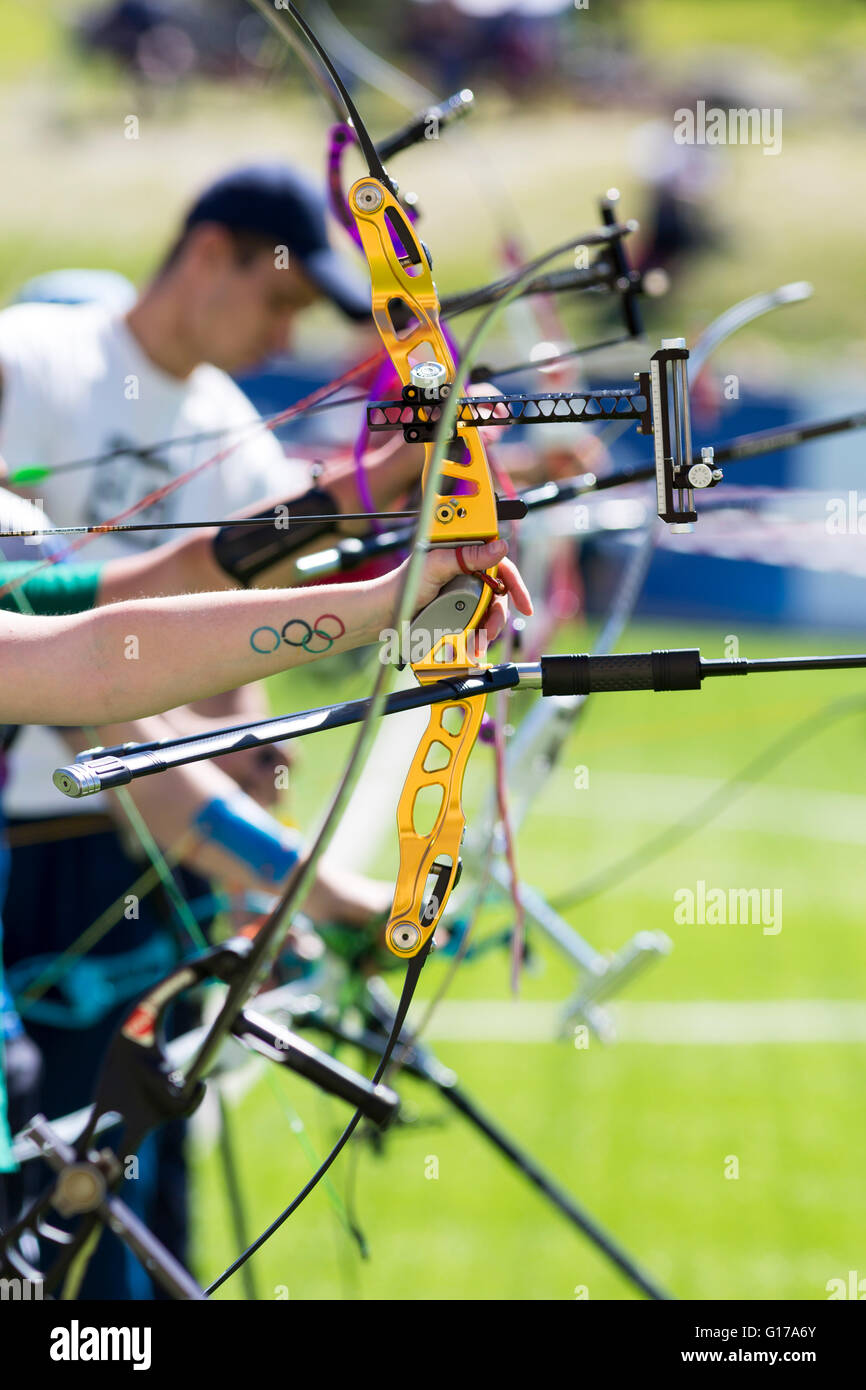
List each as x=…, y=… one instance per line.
x=52, y=591
x=7, y=1162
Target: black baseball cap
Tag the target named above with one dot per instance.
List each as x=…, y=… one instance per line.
x=282, y=203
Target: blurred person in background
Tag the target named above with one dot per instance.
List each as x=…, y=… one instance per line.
x=465, y=40
x=683, y=186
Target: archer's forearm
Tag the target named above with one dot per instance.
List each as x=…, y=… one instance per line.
x=391, y=470
x=389, y=473
x=179, y=810
x=129, y=660
x=182, y=567
x=264, y=557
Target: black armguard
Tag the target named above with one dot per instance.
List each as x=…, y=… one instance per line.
x=243, y=552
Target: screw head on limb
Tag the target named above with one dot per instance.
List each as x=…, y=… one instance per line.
x=368, y=197
x=404, y=936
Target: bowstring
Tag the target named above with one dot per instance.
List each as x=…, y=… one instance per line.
x=317, y=401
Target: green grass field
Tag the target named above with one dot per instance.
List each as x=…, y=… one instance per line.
x=641, y=1132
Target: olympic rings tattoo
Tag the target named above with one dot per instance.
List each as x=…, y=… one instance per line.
x=311, y=639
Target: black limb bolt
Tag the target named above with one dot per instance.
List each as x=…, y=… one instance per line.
x=584, y=675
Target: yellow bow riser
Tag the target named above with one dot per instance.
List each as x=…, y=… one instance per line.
x=406, y=283
x=429, y=858
x=429, y=853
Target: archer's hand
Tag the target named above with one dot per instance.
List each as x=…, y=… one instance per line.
x=442, y=565
x=256, y=771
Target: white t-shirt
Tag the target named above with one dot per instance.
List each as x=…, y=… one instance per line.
x=75, y=385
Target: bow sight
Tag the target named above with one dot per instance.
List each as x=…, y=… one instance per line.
x=676, y=475
x=659, y=404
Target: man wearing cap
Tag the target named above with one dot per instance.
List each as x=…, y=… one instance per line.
x=83, y=380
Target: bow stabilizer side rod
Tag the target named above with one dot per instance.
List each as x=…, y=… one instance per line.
x=599, y=275
x=416, y=130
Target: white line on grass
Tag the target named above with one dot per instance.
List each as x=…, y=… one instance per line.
x=712, y=1022
x=839, y=817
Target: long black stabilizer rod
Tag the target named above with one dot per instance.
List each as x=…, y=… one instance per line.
x=747, y=446
x=348, y=554
x=743, y=446
x=576, y=674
